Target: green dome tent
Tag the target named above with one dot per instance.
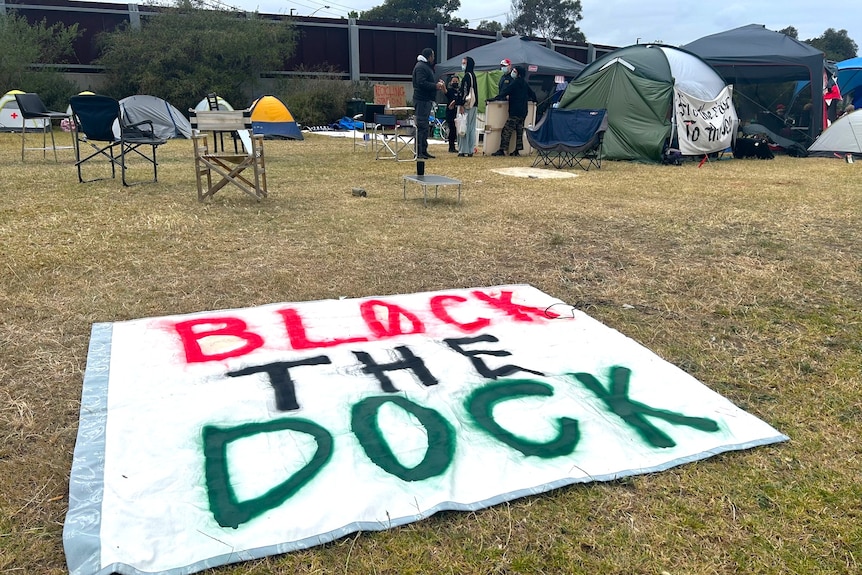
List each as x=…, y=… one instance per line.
x=638, y=86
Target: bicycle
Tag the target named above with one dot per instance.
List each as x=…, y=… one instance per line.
x=439, y=127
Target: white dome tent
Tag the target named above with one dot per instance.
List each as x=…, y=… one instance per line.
x=841, y=138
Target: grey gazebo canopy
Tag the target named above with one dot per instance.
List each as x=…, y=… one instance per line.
x=752, y=54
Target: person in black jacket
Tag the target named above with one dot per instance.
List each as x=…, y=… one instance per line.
x=452, y=110
x=506, y=78
x=424, y=96
x=518, y=93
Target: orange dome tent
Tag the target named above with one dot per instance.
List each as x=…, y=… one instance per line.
x=270, y=117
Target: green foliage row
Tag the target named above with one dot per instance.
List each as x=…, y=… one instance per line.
x=547, y=19
x=187, y=51
x=320, y=98
x=835, y=44
x=38, y=43
x=428, y=12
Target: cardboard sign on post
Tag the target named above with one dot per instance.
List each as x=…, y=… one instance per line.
x=390, y=96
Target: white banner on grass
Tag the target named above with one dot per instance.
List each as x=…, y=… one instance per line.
x=223, y=436
x=704, y=126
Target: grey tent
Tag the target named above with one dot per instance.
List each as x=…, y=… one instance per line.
x=167, y=121
x=534, y=57
x=842, y=138
x=540, y=63
x=754, y=55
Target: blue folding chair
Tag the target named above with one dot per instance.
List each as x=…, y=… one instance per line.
x=565, y=138
x=101, y=125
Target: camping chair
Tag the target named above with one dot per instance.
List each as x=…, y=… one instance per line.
x=367, y=132
x=228, y=166
x=569, y=137
x=101, y=125
x=394, y=137
x=218, y=137
x=32, y=108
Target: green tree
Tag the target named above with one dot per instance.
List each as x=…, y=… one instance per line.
x=554, y=19
x=790, y=31
x=416, y=12
x=32, y=45
x=836, y=44
x=187, y=51
x=490, y=26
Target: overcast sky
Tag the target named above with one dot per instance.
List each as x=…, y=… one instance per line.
x=624, y=22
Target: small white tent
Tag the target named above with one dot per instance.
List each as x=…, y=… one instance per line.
x=222, y=104
x=841, y=138
x=10, y=114
x=167, y=121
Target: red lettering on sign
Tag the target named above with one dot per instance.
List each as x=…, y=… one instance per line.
x=515, y=311
x=394, y=314
x=299, y=338
x=438, y=308
x=230, y=327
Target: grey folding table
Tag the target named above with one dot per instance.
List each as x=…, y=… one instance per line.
x=426, y=180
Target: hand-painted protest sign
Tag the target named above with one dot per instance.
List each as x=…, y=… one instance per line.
x=390, y=95
x=222, y=436
x=705, y=126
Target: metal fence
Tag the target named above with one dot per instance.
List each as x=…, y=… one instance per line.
x=354, y=49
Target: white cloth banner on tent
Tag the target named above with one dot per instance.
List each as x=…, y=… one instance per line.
x=705, y=126
x=223, y=436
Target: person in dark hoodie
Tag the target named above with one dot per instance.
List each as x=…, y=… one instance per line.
x=424, y=96
x=467, y=98
x=452, y=110
x=518, y=93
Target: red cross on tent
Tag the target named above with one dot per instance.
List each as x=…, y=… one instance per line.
x=14, y=115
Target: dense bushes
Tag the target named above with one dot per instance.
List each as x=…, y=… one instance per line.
x=320, y=98
x=26, y=47
x=187, y=51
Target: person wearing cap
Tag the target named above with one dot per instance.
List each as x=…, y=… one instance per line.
x=505, y=82
x=424, y=96
x=518, y=93
x=506, y=78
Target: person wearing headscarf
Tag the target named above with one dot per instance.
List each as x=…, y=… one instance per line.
x=467, y=98
x=424, y=96
x=518, y=93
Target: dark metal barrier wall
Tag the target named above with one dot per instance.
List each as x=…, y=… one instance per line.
x=356, y=49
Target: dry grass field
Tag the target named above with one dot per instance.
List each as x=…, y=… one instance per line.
x=745, y=273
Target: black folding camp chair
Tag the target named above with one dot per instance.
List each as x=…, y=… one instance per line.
x=32, y=108
x=565, y=138
x=101, y=125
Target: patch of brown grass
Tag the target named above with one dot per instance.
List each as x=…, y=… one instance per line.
x=744, y=273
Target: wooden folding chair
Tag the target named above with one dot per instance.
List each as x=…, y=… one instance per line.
x=229, y=167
